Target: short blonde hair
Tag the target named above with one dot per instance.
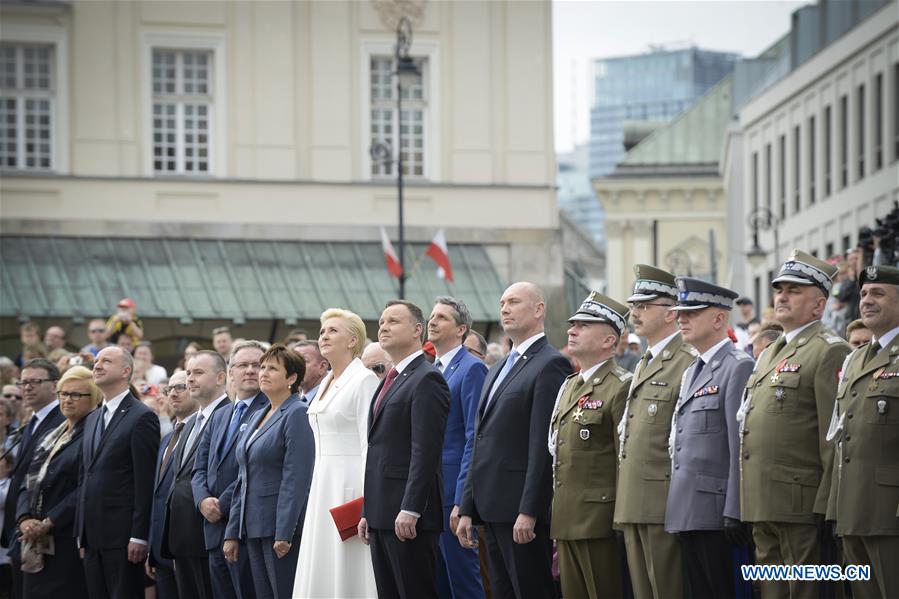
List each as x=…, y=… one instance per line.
x=80, y=373
x=353, y=323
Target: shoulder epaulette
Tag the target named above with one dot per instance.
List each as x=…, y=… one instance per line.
x=572, y=375
x=623, y=374
x=690, y=350
x=740, y=354
x=833, y=339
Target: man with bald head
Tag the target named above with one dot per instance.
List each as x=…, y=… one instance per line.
x=509, y=485
x=377, y=360
x=121, y=439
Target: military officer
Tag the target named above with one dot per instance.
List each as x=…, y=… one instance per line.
x=864, y=499
x=644, y=471
x=704, y=502
x=584, y=442
x=786, y=461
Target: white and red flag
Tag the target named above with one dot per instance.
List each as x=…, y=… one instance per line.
x=438, y=253
x=393, y=263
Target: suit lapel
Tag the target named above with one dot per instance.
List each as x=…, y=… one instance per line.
x=273, y=419
x=450, y=370
x=881, y=360
x=397, y=383
x=705, y=377
x=520, y=365
x=119, y=415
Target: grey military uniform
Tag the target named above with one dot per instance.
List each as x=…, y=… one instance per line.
x=706, y=442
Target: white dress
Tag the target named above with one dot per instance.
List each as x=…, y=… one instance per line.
x=329, y=567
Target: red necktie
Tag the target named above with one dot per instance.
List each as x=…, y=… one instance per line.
x=391, y=376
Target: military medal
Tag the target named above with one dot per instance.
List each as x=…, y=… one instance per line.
x=652, y=409
x=774, y=377
x=779, y=394
x=585, y=434
x=578, y=414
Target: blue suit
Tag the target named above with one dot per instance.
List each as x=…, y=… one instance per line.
x=165, y=573
x=459, y=569
x=275, y=473
x=215, y=475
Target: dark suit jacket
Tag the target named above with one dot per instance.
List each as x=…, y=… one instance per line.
x=20, y=469
x=183, y=534
x=275, y=473
x=160, y=494
x=405, y=442
x=215, y=467
x=58, y=490
x=465, y=376
x=115, y=497
x=511, y=470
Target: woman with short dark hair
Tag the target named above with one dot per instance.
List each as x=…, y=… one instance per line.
x=275, y=457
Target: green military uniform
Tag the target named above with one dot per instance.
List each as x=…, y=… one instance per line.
x=644, y=471
x=786, y=461
x=584, y=444
x=864, y=499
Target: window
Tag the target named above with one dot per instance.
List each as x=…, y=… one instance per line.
x=844, y=141
x=878, y=122
x=895, y=111
x=828, y=151
x=27, y=106
x=828, y=250
x=847, y=243
x=860, y=133
x=755, y=181
x=797, y=179
x=410, y=135
x=768, y=176
x=811, y=160
x=182, y=111
x=783, y=176
x=757, y=290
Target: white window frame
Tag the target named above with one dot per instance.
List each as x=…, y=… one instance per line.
x=57, y=37
x=420, y=49
x=210, y=42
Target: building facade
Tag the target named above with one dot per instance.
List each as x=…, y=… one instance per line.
x=576, y=197
x=211, y=159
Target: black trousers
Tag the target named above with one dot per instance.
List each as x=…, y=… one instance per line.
x=519, y=571
x=405, y=569
x=708, y=556
x=111, y=576
x=192, y=577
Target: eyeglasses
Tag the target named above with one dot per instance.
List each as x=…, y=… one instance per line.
x=72, y=395
x=33, y=382
x=245, y=365
x=98, y=330
x=643, y=306
x=170, y=388
x=475, y=352
x=378, y=368
x=12, y=396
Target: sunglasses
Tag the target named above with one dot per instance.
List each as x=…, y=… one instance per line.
x=378, y=368
x=12, y=396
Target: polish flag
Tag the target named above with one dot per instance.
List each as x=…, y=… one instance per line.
x=438, y=253
x=393, y=263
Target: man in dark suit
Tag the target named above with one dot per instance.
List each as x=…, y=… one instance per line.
x=509, y=486
x=215, y=471
x=402, y=517
x=38, y=385
x=459, y=570
x=183, y=538
x=159, y=568
x=121, y=439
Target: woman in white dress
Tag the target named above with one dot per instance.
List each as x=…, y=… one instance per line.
x=328, y=566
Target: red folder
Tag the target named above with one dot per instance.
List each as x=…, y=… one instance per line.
x=346, y=518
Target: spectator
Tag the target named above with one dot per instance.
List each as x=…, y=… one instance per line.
x=29, y=334
x=222, y=342
x=155, y=374
x=96, y=332
x=9, y=372
x=125, y=323
x=46, y=507
x=745, y=316
x=189, y=352
x=5, y=567
x=495, y=353
x=7, y=413
x=295, y=336
x=476, y=345
x=126, y=342
x=767, y=335
x=626, y=358
x=858, y=334
x=376, y=359
x=316, y=369
x=54, y=338
x=768, y=316
x=13, y=395
x=33, y=351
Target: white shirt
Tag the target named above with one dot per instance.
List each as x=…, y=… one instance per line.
x=406, y=361
x=586, y=374
x=196, y=431
x=446, y=358
x=886, y=338
x=659, y=347
x=795, y=332
x=42, y=413
x=707, y=356
x=527, y=343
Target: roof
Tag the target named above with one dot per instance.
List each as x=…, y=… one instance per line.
x=190, y=279
x=694, y=137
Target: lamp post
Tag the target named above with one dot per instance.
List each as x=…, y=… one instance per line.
x=762, y=219
x=381, y=151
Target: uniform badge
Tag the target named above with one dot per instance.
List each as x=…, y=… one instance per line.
x=652, y=409
x=584, y=434
x=586, y=403
x=882, y=407
x=578, y=414
x=779, y=394
x=871, y=273
x=710, y=390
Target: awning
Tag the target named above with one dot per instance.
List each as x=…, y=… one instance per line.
x=192, y=279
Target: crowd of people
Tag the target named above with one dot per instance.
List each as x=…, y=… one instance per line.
x=673, y=438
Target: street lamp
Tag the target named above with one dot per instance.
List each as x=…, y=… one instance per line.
x=762, y=219
x=406, y=73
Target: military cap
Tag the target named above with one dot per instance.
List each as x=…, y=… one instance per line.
x=804, y=269
x=696, y=294
x=888, y=275
x=599, y=308
x=651, y=283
